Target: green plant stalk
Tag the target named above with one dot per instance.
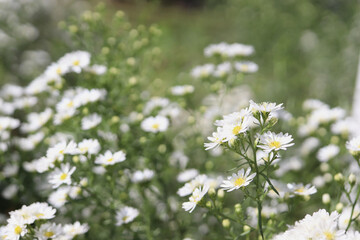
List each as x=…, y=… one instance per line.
x=352, y=209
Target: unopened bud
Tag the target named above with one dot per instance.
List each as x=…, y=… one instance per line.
x=220, y=193
x=326, y=198
x=212, y=192
x=75, y=159
x=115, y=119
x=324, y=167
x=246, y=228
x=339, y=177
x=226, y=223
x=208, y=204
x=352, y=179
x=238, y=208
x=339, y=207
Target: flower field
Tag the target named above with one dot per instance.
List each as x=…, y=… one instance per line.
x=179, y=120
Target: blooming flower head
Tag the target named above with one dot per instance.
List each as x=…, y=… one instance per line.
x=274, y=142
x=76, y=61
x=155, y=124
x=126, y=215
x=110, y=158
x=353, y=145
x=189, y=187
x=182, y=90
x=48, y=231
x=265, y=107
x=203, y=71
x=328, y=152
x=90, y=146
x=142, y=176
x=195, y=198
x=238, y=180
x=300, y=189
x=72, y=230
x=15, y=230
x=90, y=121
x=61, y=175
x=246, y=67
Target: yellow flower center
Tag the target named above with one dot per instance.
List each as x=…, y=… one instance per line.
x=58, y=71
x=244, y=68
x=110, y=159
x=18, y=230
x=275, y=144
x=84, y=149
x=125, y=218
x=155, y=126
x=239, y=181
x=39, y=215
x=236, y=130
x=76, y=63
x=300, y=190
x=63, y=176
x=48, y=234
x=70, y=104
x=329, y=236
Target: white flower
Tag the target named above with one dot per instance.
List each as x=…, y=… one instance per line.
x=223, y=69
x=187, y=175
x=7, y=123
x=274, y=142
x=300, y=189
x=343, y=126
x=155, y=124
x=90, y=121
x=97, y=69
x=126, y=215
x=328, y=152
x=76, y=61
x=203, y=71
x=90, y=146
x=182, y=90
x=36, y=120
x=264, y=107
x=142, y=176
x=154, y=103
x=246, y=67
x=48, y=231
x=215, y=141
x=72, y=230
x=16, y=230
x=57, y=152
x=110, y=159
x=195, y=198
x=59, y=197
x=189, y=187
x=236, y=181
x=353, y=145
x=313, y=104
x=61, y=175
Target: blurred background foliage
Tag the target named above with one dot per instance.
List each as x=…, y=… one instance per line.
x=304, y=48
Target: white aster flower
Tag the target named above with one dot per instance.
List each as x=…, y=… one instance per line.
x=328, y=152
x=155, y=124
x=182, y=90
x=14, y=231
x=195, y=198
x=265, y=107
x=48, y=231
x=274, y=142
x=246, y=67
x=203, y=71
x=353, y=145
x=59, y=197
x=223, y=69
x=236, y=181
x=97, y=69
x=61, y=175
x=187, y=175
x=126, y=215
x=90, y=146
x=215, y=141
x=300, y=189
x=189, y=187
x=76, y=61
x=110, y=158
x=75, y=229
x=142, y=176
x=90, y=121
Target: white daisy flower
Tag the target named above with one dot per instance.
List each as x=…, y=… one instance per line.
x=203, y=71
x=48, y=231
x=195, y=198
x=182, y=90
x=236, y=181
x=59, y=197
x=126, y=215
x=300, y=189
x=76, y=61
x=16, y=230
x=90, y=146
x=75, y=229
x=61, y=175
x=155, y=124
x=189, y=187
x=97, y=69
x=328, y=152
x=223, y=69
x=142, y=176
x=274, y=142
x=187, y=175
x=265, y=107
x=110, y=158
x=90, y=121
x=215, y=141
x=246, y=67
x=353, y=145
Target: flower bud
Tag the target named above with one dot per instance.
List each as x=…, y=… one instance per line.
x=339, y=207
x=75, y=159
x=212, y=192
x=352, y=179
x=115, y=119
x=326, y=198
x=226, y=223
x=238, y=208
x=324, y=167
x=246, y=228
x=339, y=177
x=220, y=194
x=208, y=204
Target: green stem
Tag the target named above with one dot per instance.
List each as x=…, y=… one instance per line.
x=352, y=209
